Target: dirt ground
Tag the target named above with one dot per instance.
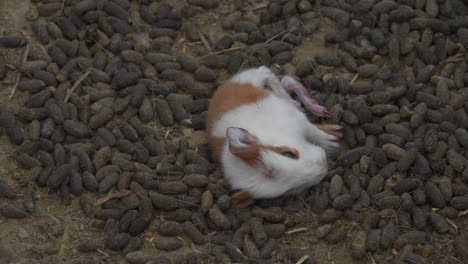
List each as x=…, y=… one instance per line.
x=52, y=235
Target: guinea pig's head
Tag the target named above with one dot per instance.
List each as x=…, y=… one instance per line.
x=287, y=164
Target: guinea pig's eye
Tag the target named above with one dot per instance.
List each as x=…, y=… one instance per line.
x=289, y=154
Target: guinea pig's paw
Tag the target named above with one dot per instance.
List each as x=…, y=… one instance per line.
x=329, y=141
x=332, y=130
x=316, y=109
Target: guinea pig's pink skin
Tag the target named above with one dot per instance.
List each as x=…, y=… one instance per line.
x=266, y=145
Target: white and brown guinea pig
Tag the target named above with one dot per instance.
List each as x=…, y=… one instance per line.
x=262, y=138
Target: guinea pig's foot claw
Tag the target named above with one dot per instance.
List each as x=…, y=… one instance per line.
x=317, y=109
x=332, y=130
x=330, y=141
x=335, y=127
x=335, y=130
x=334, y=145
x=292, y=84
x=324, y=114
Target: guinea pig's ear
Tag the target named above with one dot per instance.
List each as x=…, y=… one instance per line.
x=239, y=137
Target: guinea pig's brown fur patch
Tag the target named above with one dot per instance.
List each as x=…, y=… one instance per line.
x=216, y=145
x=250, y=154
x=232, y=95
x=282, y=149
x=241, y=199
x=227, y=97
x=327, y=128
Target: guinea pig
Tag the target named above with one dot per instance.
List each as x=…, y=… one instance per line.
x=262, y=138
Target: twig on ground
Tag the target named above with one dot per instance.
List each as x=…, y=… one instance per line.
x=301, y=260
x=194, y=43
x=277, y=35
x=223, y=51
x=205, y=41
x=111, y=196
x=55, y=219
x=455, y=58
x=354, y=79
x=297, y=230
x=103, y=252
x=452, y=224
x=256, y=6
x=18, y=72
x=13, y=89
x=75, y=85
x=463, y=213
x=455, y=259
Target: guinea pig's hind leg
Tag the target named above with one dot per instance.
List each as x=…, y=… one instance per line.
x=292, y=85
x=241, y=199
x=274, y=83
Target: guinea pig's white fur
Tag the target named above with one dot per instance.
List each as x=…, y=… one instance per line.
x=273, y=120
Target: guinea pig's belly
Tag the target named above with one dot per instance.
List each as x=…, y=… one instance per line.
x=260, y=188
x=299, y=189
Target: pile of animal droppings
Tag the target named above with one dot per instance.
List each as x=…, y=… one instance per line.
x=110, y=96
